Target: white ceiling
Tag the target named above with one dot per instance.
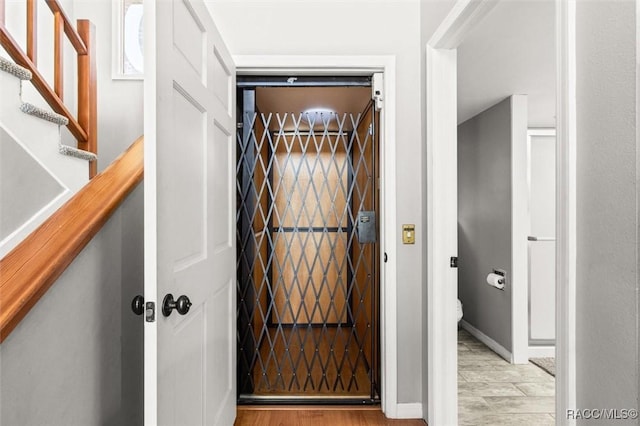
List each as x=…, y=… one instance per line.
x=511, y=52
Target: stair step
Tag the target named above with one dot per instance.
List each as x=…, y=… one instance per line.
x=77, y=153
x=14, y=69
x=47, y=115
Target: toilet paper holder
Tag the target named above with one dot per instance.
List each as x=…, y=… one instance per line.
x=502, y=273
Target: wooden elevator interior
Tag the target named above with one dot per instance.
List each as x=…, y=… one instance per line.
x=308, y=289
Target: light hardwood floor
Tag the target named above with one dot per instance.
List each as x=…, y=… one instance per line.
x=493, y=392
x=317, y=416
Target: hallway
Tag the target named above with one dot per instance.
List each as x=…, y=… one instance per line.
x=493, y=392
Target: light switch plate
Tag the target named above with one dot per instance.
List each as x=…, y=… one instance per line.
x=408, y=234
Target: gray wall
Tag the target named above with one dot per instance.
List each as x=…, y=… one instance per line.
x=62, y=364
x=485, y=219
x=607, y=213
x=120, y=122
x=132, y=336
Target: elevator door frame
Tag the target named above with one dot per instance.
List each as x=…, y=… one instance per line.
x=349, y=66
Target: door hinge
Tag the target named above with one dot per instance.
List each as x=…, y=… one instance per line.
x=371, y=129
x=150, y=312
x=453, y=262
x=377, y=90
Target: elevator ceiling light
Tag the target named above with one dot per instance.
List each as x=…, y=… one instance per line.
x=324, y=111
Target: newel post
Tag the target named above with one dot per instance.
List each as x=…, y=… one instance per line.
x=87, y=92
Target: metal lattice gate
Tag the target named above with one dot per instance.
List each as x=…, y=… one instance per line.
x=308, y=294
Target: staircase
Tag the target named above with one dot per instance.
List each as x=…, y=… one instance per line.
x=47, y=172
x=52, y=200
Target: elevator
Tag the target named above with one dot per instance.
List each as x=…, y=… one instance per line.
x=308, y=296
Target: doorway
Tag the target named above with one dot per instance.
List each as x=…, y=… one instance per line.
x=308, y=297
x=442, y=72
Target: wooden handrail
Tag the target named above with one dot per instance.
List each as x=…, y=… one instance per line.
x=84, y=128
x=29, y=270
x=13, y=49
x=72, y=34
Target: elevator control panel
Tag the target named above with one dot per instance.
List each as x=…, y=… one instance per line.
x=408, y=234
x=366, y=227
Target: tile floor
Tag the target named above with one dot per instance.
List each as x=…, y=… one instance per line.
x=493, y=392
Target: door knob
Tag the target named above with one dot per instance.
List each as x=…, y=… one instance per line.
x=137, y=305
x=181, y=305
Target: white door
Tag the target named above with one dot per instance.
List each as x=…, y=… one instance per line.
x=542, y=244
x=189, y=216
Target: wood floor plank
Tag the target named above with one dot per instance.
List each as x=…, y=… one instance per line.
x=317, y=416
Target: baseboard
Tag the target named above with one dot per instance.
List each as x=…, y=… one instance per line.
x=411, y=410
x=492, y=344
x=542, y=351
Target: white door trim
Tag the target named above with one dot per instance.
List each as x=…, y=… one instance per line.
x=353, y=65
x=442, y=379
x=442, y=213
x=462, y=18
x=566, y=210
x=519, y=231
x=534, y=351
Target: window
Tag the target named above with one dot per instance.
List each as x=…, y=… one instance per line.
x=128, y=42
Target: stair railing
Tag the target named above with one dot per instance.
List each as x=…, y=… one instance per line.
x=32, y=267
x=85, y=127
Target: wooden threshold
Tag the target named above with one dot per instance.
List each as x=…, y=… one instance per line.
x=308, y=407
x=318, y=416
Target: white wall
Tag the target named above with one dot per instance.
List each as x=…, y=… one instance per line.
x=357, y=27
x=511, y=50
x=120, y=102
x=607, y=209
